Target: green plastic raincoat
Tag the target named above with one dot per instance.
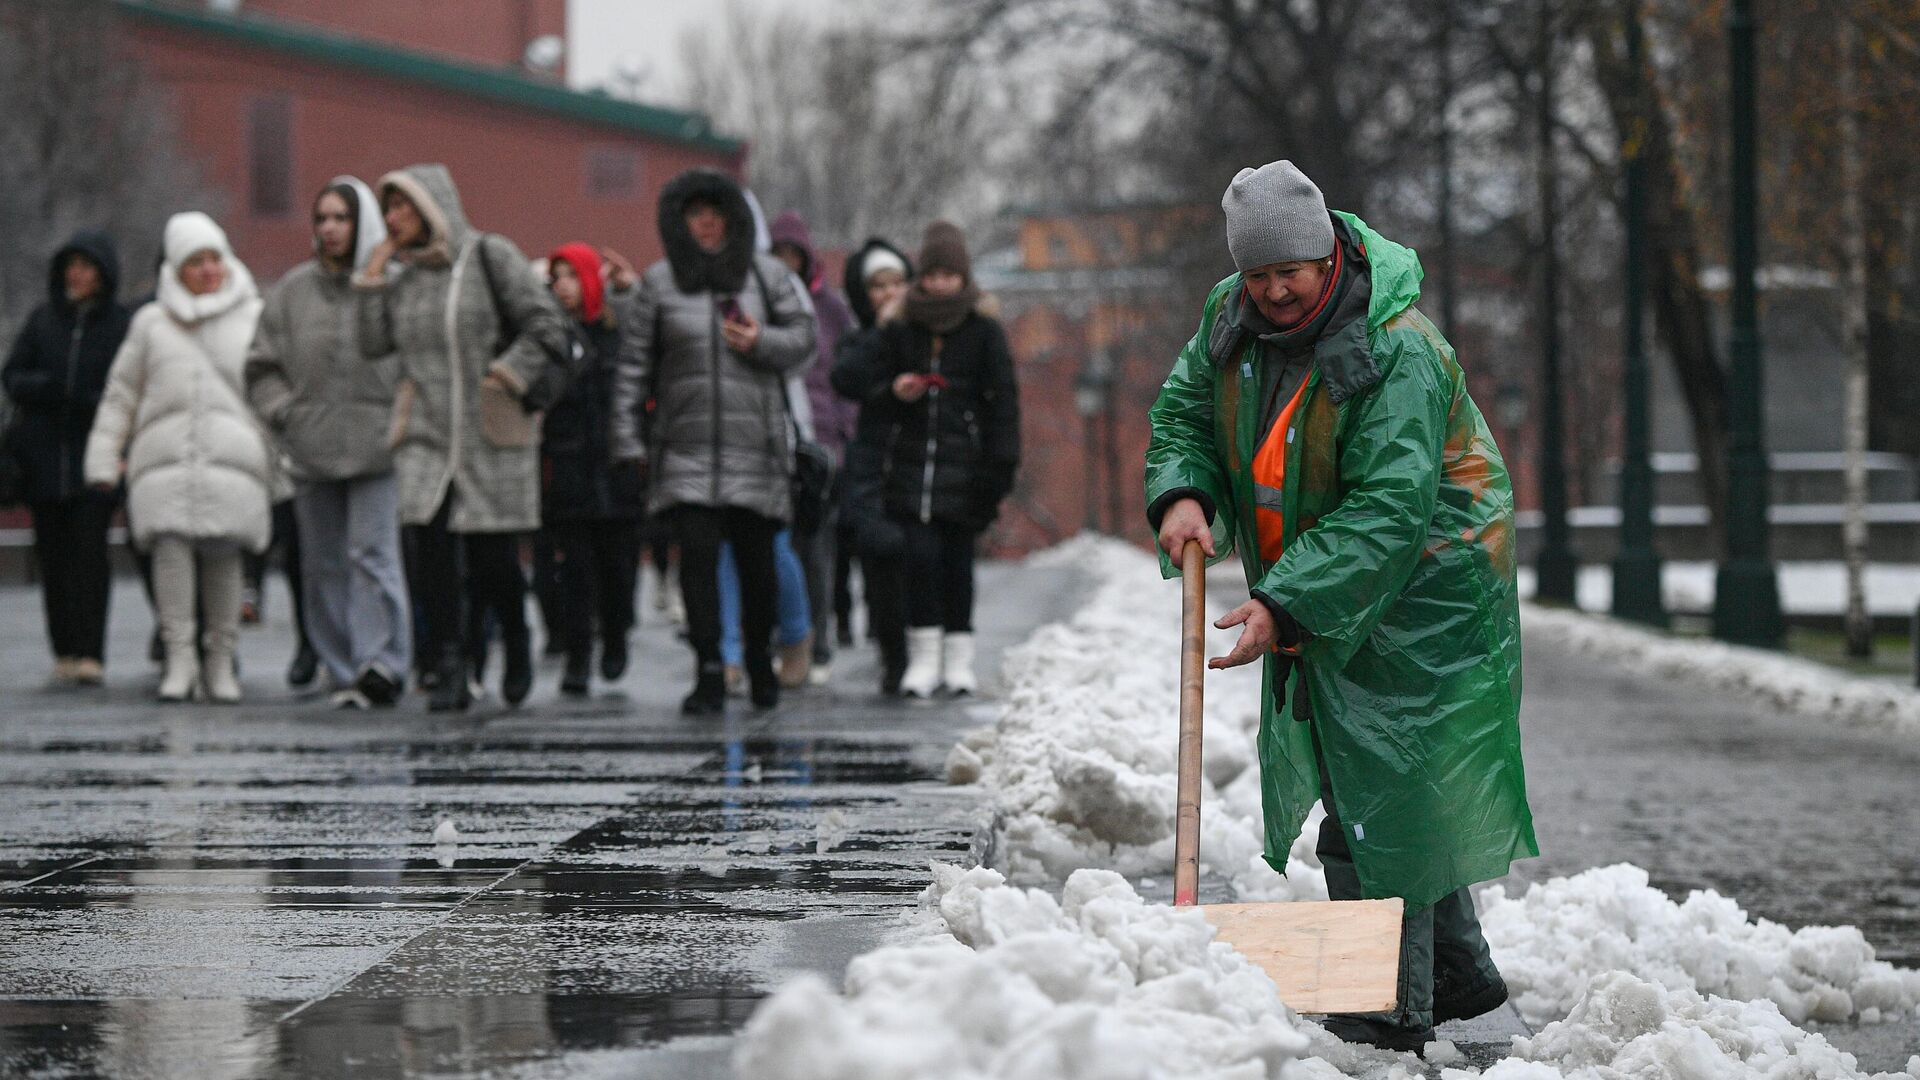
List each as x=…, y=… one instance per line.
x=1399, y=562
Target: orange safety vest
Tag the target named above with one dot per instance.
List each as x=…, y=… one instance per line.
x=1270, y=479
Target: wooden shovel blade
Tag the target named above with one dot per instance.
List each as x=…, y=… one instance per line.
x=1330, y=956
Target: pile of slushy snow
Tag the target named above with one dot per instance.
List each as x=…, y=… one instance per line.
x=1785, y=682
x=999, y=979
x=1552, y=941
x=1080, y=767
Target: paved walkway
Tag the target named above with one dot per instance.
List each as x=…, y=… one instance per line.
x=207, y=892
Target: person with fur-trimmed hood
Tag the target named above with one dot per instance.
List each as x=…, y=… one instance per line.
x=481, y=349
x=55, y=374
x=942, y=378
x=715, y=328
x=330, y=409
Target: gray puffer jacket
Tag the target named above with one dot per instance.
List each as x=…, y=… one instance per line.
x=455, y=434
x=328, y=407
x=719, y=433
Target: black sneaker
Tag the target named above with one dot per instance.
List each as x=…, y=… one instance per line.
x=1479, y=1003
x=1358, y=1029
x=453, y=692
x=378, y=686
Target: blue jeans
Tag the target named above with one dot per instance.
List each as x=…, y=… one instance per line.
x=795, y=614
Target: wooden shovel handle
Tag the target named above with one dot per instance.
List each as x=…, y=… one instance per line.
x=1193, y=670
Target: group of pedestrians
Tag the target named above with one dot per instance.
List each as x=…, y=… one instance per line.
x=419, y=401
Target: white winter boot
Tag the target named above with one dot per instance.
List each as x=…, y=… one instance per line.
x=956, y=662
x=221, y=676
x=923, y=662
x=181, y=677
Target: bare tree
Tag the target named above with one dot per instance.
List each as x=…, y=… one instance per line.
x=88, y=142
x=847, y=127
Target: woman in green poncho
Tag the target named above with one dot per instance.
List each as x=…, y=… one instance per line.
x=1321, y=426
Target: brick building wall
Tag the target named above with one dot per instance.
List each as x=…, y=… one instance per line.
x=492, y=32
x=272, y=112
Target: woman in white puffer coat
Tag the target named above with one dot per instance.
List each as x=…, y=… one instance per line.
x=198, y=469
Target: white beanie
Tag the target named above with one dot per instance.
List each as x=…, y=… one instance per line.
x=189, y=233
x=881, y=259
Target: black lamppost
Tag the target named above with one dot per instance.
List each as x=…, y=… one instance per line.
x=1746, y=596
x=1556, y=567
x=1091, y=394
x=1636, y=567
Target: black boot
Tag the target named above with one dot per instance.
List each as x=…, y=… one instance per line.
x=893, y=666
x=1375, y=1032
x=709, y=695
x=516, y=681
x=304, y=668
x=1447, y=1006
x=613, y=657
x=450, y=691
x=763, y=685
x=575, y=679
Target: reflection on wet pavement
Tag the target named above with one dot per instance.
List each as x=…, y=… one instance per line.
x=256, y=892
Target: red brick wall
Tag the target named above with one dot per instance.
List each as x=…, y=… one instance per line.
x=520, y=172
x=482, y=31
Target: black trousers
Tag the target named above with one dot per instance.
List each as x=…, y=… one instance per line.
x=700, y=531
x=938, y=562
x=286, y=540
x=885, y=581
x=594, y=565
x=463, y=575
x=70, y=545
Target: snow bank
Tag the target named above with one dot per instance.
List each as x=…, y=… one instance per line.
x=1786, y=682
x=1080, y=766
x=1626, y=1028
x=1004, y=981
x=1552, y=941
x=1014, y=984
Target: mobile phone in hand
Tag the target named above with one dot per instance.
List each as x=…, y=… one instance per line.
x=730, y=310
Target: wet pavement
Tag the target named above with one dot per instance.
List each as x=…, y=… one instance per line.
x=208, y=892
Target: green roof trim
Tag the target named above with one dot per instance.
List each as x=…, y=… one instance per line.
x=691, y=129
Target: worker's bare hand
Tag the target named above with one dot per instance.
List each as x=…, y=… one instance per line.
x=1256, y=640
x=742, y=334
x=1185, y=521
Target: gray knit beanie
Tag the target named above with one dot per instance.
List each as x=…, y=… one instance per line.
x=1275, y=214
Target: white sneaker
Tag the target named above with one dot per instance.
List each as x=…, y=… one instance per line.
x=956, y=664
x=820, y=674
x=923, y=662
x=349, y=699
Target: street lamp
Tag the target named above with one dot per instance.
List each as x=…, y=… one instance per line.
x=1746, y=597
x=1556, y=567
x=1090, y=396
x=1636, y=566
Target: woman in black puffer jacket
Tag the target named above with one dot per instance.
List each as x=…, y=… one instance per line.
x=939, y=381
x=589, y=510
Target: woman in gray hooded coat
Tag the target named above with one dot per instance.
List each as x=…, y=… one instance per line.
x=714, y=330
x=329, y=409
x=477, y=341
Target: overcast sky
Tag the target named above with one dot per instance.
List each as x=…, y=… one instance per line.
x=610, y=35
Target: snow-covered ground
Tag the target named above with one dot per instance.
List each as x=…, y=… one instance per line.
x=1782, y=681
x=1806, y=588
x=998, y=978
